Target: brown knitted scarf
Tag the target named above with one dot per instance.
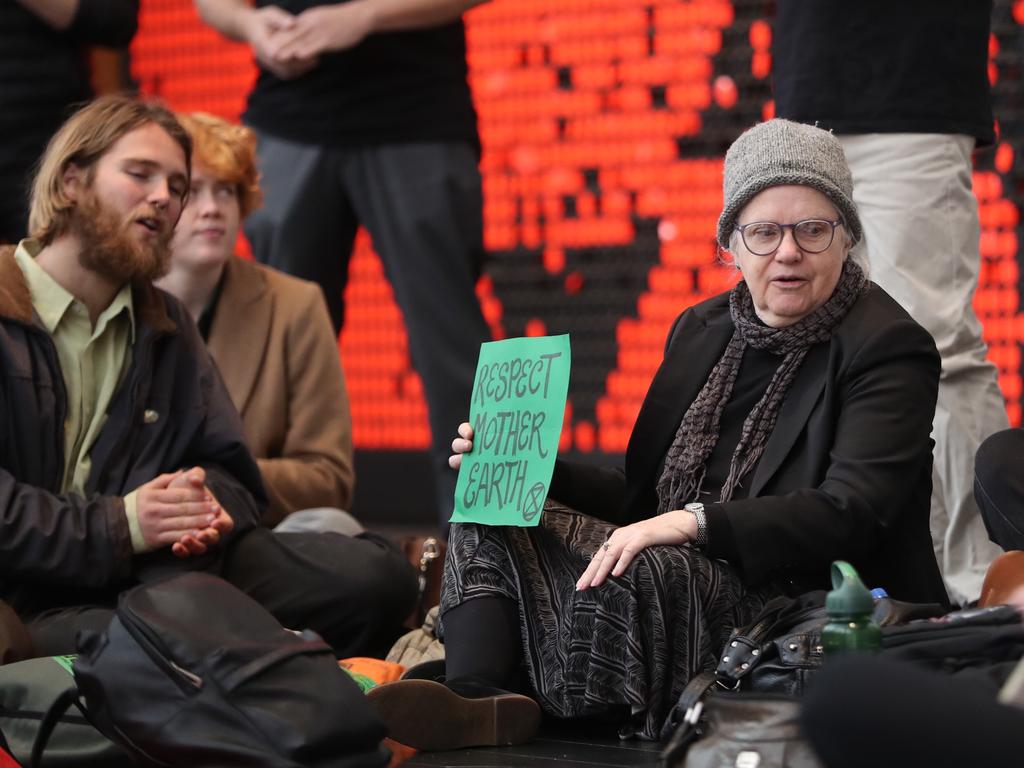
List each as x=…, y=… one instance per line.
x=686, y=461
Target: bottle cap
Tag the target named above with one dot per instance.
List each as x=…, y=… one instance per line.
x=849, y=596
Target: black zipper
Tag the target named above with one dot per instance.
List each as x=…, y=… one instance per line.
x=149, y=641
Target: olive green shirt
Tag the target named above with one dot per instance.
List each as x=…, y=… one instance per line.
x=93, y=360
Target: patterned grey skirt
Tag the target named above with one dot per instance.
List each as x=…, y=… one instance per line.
x=632, y=643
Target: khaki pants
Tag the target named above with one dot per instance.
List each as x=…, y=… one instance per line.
x=920, y=216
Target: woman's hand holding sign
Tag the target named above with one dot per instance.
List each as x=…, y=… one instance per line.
x=513, y=431
x=461, y=444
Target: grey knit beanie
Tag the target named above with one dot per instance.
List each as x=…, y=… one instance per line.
x=783, y=152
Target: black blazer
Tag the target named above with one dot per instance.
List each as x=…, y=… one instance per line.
x=846, y=473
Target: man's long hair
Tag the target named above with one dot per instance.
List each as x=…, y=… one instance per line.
x=82, y=140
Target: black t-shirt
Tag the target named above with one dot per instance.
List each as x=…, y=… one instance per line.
x=914, y=66
x=44, y=76
x=205, y=321
x=755, y=374
x=395, y=87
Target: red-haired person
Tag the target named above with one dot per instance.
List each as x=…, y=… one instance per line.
x=268, y=332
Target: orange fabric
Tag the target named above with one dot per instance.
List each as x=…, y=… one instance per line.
x=377, y=670
x=1004, y=582
x=399, y=752
x=365, y=669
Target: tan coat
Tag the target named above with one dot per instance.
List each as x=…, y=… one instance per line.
x=274, y=344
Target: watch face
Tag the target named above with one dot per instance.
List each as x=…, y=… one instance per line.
x=693, y=506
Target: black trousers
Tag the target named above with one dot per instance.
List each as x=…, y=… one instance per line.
x=999, y=487
x=868, y=711
x=422, y=204
x=354, y=591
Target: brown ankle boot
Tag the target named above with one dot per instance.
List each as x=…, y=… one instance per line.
x=433, y=717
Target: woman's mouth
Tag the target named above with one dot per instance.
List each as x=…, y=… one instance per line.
x=789, y=281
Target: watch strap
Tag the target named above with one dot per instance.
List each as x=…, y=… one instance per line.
x=697, y=510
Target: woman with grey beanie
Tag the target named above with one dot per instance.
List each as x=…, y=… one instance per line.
x=787, y=427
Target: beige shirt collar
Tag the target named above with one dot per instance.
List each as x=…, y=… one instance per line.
x=52, y=301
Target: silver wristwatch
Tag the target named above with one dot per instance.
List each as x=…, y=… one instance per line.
x=697, y=509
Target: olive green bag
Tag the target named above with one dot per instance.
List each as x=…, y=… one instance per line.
x=27, y=690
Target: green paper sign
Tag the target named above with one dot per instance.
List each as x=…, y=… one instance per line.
x=516, y=411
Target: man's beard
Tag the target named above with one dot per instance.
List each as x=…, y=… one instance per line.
x=108, y=247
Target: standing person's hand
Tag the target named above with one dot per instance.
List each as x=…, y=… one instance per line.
x=461, y=444
x=266, y=30
x=325, y=29
x=614, y=556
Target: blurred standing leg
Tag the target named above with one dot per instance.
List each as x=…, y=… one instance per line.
x=423, y=206
x=920, y=217
x=306, y=226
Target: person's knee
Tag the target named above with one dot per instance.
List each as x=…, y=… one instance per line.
x=364, y=578
x=999, y=486
x=320, y=520
x=869, y=710
x=54, y=632
x=389, y=581
x=999, y=456
x=668, y=562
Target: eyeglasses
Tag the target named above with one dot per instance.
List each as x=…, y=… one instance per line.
x=764, y=237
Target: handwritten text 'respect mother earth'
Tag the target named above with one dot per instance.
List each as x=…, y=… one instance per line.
x=509, y=434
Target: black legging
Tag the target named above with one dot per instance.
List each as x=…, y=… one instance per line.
x=999, y=487
x=482, y=642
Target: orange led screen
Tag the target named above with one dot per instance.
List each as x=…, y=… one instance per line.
x=603, y=126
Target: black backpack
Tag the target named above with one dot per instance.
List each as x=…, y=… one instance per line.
x=193, y=672
x=780, y=651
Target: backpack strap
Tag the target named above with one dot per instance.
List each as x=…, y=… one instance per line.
x=63, y=702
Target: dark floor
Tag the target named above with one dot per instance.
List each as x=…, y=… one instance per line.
x=548, y=751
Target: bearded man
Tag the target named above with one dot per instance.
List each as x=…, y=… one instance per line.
x=122, y=457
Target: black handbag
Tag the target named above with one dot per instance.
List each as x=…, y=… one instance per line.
x=780, y=651
x=712, y=728
x=193, y=672
x=745, y=712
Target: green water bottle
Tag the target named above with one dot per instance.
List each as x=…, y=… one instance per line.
x=849, y=606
